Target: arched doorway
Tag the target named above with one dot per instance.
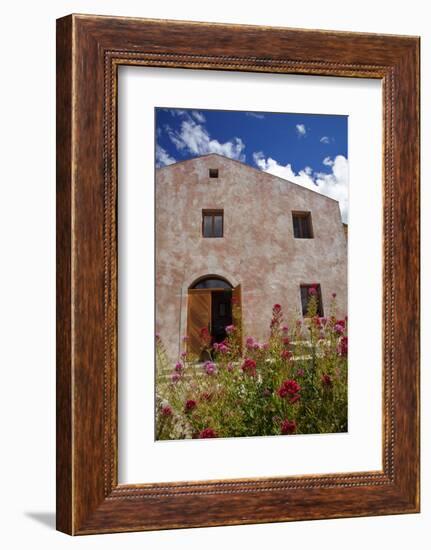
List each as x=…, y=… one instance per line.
x=210, y=307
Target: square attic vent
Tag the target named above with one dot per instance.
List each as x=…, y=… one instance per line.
x=213, y=172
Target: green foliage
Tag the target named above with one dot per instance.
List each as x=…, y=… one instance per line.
x=294, y=383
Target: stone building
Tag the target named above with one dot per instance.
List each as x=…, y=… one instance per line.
x=224, y=231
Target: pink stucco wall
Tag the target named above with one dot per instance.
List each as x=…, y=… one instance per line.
x=258, y=249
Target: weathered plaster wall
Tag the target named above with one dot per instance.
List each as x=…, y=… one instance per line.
x=258, y=249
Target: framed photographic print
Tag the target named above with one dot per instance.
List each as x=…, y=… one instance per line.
x=237, y=274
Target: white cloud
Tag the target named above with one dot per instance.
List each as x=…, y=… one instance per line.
x=325, y=139
x=199, y=116
x=176, y=112
x=195, y=139
x=301, y=130
x=163, y=158
x=334, y=185
x=260, y=116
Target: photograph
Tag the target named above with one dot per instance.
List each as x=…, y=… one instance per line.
x=251, y=296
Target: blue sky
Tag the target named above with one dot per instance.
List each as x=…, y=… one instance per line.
x=308, y=149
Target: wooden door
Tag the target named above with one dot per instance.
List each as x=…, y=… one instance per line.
x=237, y=311
x=198, y=317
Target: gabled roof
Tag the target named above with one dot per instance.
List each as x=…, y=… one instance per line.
x=244, y=165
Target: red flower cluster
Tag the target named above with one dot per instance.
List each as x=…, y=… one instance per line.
x=277, y=318
x=288, y=427
x=249, y=367
x=207, y=433
x=204, y=332
x=166, y=410
x=205, y=336
x=291, y=389
x=326, y=380
x=317, y=321
x=286, y=354
x=342, y=346
x=190, y=405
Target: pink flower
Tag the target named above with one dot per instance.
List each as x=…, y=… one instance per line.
x=249, y=367
x=285, y=328
x=230, y=329
x=229, y=367
x=286, y=341
x=183, y=354
x=166, y=410
x=223, y=348
x=210, y=368
x=175, y=377
x=276, y=308
x=323, y=320
x=265, y=346
x=249, y=342
x=179, y=367
x=207, y=433
x=190, y=405
x=300, y=373
x=338, y=328
x=288, y=427
x=312, y=291
x=256, y=346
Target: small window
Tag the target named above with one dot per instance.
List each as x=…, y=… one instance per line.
x=306, y=293
x=212, y=223
x=213, y=172
x=302, y=228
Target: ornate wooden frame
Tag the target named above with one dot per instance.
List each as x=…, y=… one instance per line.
x=89, y=51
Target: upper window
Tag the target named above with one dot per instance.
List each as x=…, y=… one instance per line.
x=213, y=172
x=212, y=223
x=307, y=291
x=302, y=228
